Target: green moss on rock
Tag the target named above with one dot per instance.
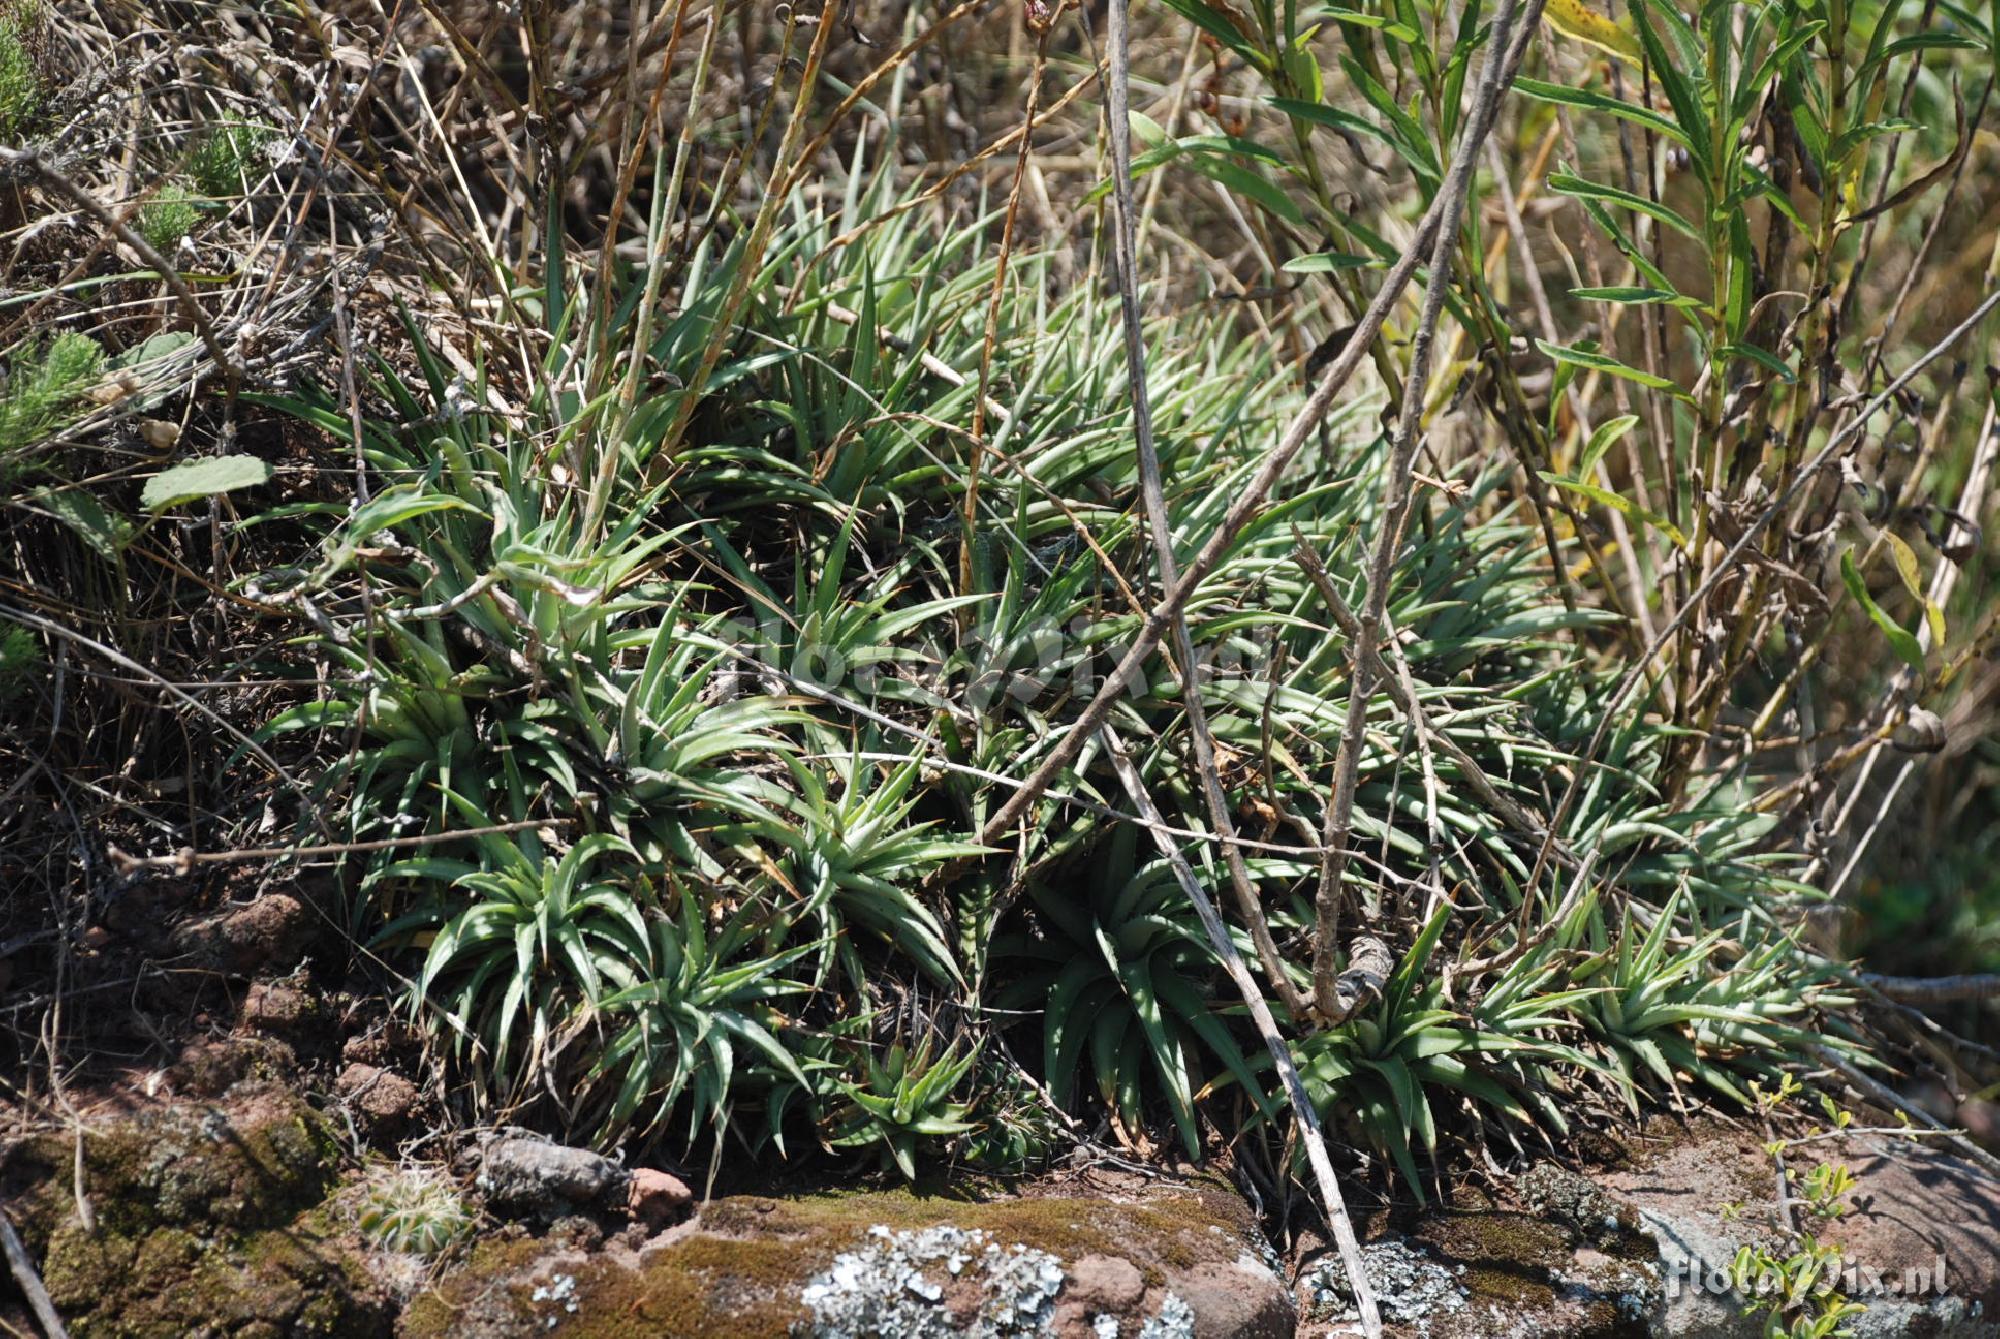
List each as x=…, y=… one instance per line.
x=206, y=1224
x=256, y=1163
x=1526, y=1267
x=173, y=1284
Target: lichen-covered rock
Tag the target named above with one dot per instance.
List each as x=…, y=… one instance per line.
x=1645, y=1249
x=208, y=1069
x=1574, y=1201
x=1172, y=1263
x=1478, y=1268
x=252, y=1161
x=173, y=1284
x=932, y=1283
x=1410, y=1287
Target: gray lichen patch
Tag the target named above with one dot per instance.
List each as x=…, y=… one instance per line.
x=931, y=1283
x=1174, y=1321
x=1574, y=1201
x=1410, y=1287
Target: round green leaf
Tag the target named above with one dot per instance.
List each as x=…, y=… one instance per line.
x=206, y=477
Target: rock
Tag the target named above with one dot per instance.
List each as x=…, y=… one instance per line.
x=1917, y=1211
x=382, y=1099
x=657, y=1198
x=272, y=1006
x=211, y=1068
x=208, y=1223
x=1129, y=1258
x=380, y=1045
x=268, y=934
x=531, y=1177
x=1477, y=1268
x=1241, y=1299
x=1574, y=1201
x=144, y=913
x=1105, y=1283
x=575, y=1233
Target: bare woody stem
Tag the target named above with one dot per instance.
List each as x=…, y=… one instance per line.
x=1506, y=49
x=1152, y=490
x=1727, y=564
x=1511, y=811
x=1241, y=512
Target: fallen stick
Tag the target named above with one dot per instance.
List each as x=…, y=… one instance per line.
x=1267, y=1028
x=30, y=1282
x=184, y=860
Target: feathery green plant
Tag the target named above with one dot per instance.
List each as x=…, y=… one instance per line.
x=20, y=81
x=224, y=163
x=45, y=387
x=169, y=215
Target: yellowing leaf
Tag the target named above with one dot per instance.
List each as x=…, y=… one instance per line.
x=1575, y=19
x=1906, y=564
x=1906, y=647
x=1912, y=576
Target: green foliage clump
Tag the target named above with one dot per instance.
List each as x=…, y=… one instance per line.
x=904, y=1097
x=46, y=384
x=685, y=629
x=20, y=661
x=225, y=162
x=1124, y=980
x=170, y=215
x=20, y=81
x=741, y=701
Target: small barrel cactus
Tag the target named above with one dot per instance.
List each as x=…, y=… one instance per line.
x=413, y=1213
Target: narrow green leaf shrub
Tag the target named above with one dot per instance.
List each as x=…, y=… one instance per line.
x=744, y=729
